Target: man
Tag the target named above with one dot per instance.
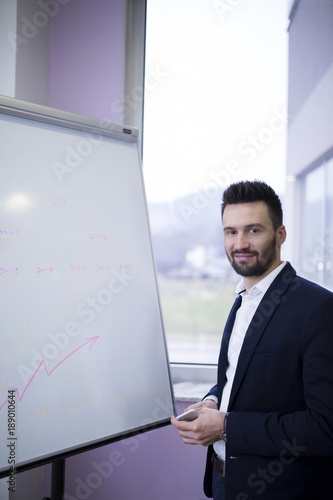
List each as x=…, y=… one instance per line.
x=268, y=423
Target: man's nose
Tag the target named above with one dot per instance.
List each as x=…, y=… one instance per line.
x=242, y=242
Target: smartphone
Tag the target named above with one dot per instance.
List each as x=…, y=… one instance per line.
x=188, y=416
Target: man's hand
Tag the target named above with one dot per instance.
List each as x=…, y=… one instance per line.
x=206, y=429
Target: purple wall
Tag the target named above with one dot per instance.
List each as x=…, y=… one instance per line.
x=151, y=466
x=86, y=57
x=155, y=465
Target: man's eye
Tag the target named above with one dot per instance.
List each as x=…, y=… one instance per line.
x=254, y=230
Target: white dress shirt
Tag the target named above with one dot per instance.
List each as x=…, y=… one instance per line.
x=244, y=315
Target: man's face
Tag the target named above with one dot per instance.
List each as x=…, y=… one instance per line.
x=251, y=243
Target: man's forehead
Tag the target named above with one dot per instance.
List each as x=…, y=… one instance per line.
x=246, y=214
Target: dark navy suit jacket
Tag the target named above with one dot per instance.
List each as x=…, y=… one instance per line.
x=280, y=422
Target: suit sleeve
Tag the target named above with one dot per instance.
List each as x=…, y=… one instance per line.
x=213, y=392
x=309, y=430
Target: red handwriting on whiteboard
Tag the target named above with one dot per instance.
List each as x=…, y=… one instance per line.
x=98, y=235
x=58, y=202
x=125, y=267
x=52, y=201
x=46, y=270
x=102, y=268
x=8, y=269
x=11, y=233
x=77, y=268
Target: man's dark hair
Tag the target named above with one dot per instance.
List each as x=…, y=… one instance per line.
x=251, y=191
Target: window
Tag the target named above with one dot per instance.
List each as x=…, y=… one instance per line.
x=215, y=113
x=329, y=227
x=310, y=146
x=317, y=225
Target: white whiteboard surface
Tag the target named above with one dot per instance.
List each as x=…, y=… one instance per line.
x=82, y=341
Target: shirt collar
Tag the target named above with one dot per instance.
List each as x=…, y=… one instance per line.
x=262, y=285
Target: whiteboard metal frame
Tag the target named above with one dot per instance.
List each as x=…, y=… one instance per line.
x=52, y=116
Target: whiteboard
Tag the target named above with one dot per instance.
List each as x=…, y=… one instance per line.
x=83, y=354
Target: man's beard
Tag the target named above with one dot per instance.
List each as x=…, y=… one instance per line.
x=260, y=266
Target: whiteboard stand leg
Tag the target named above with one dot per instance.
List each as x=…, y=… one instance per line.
x=58, y=480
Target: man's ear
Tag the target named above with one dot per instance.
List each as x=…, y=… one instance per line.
x=281, y=235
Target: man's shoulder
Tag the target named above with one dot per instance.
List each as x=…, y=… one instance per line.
x=304, y=286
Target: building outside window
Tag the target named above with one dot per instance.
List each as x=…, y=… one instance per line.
x=317, y=225
x=310, y=144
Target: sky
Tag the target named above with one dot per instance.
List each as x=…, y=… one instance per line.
x=216, y=94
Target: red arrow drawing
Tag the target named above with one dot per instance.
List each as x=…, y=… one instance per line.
x=91, y=340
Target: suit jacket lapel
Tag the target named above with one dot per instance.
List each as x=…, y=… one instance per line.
x=260, y=320
x=223, y=358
